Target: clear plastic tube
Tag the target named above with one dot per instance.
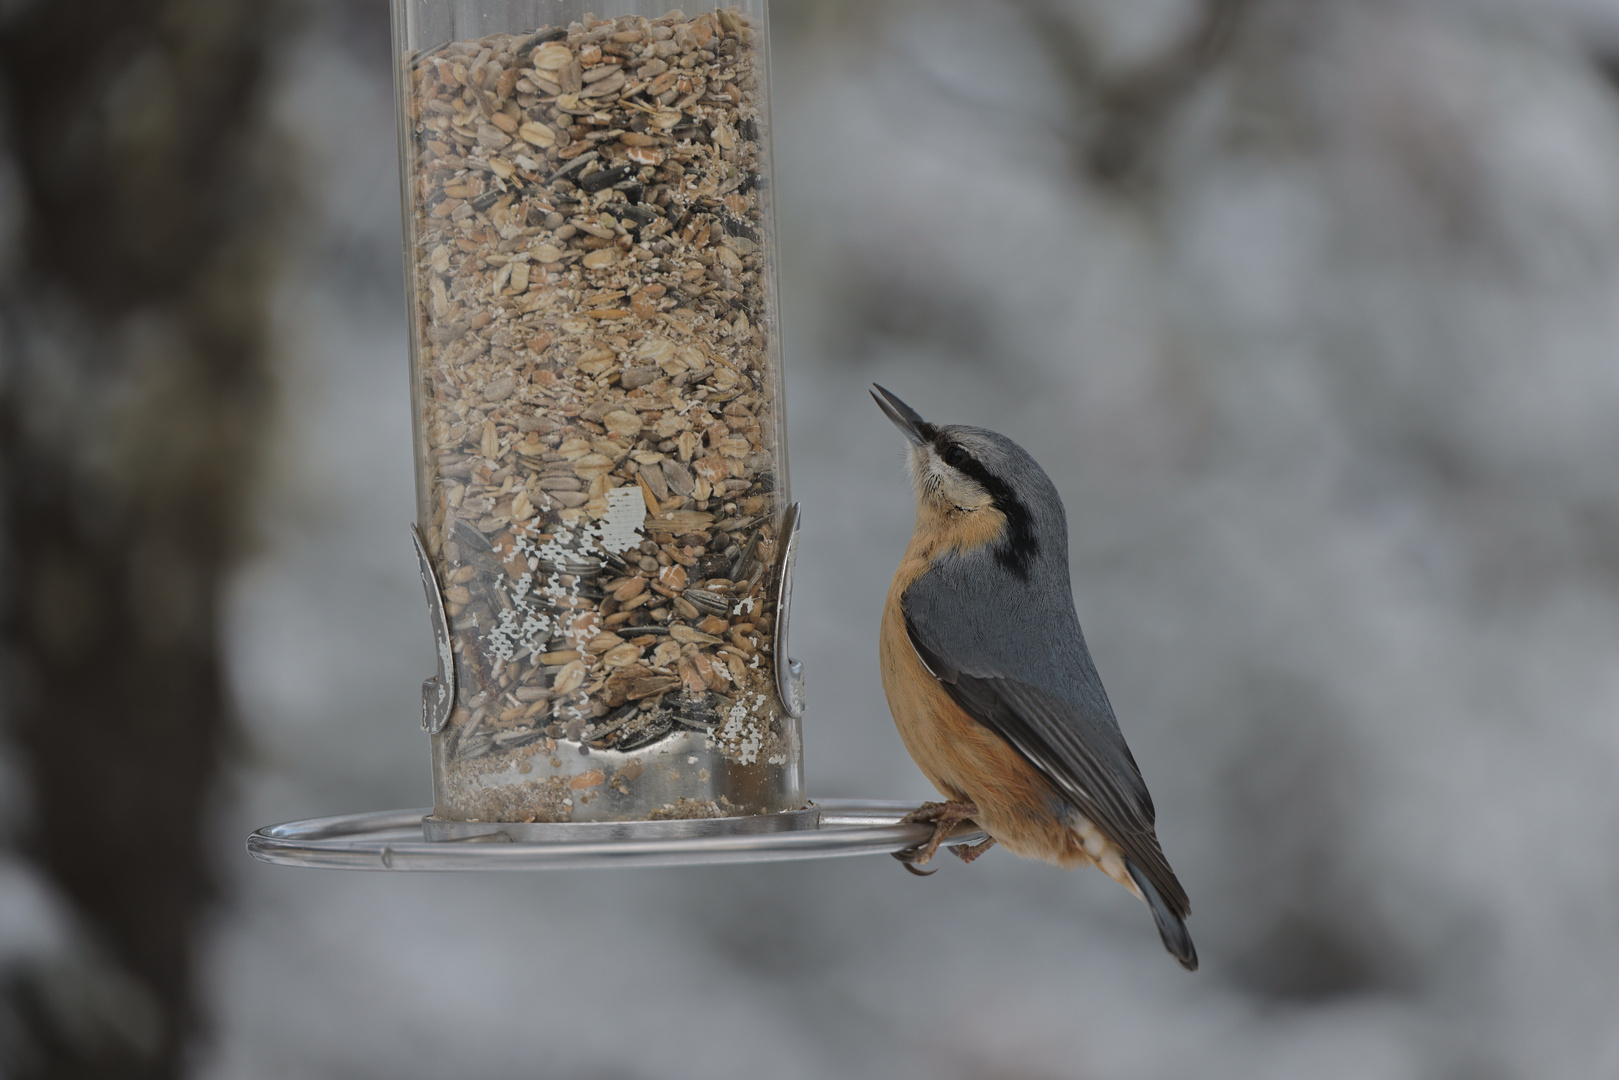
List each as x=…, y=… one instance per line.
x=601, y=466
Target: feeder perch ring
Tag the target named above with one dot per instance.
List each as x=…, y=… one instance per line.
x=415, y=840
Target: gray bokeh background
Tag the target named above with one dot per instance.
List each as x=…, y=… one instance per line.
x=1309, y=311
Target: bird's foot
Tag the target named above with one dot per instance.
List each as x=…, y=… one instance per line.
x=944, y=817
x=930, y=812
x=968, y=852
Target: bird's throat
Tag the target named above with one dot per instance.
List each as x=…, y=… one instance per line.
x=945, y=529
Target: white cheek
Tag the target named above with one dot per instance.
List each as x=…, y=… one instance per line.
x=924, y=466
x=961, y=492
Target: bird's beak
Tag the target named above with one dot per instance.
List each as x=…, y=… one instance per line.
x=905, y=418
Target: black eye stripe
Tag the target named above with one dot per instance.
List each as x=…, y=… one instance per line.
x=1017, y=549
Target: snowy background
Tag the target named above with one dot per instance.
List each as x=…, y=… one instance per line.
x=1316, y=333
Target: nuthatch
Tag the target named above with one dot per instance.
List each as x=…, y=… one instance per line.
x=989, y=680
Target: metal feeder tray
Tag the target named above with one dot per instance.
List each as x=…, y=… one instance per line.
x=415, y=840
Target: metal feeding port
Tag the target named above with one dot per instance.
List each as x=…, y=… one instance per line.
x=604, y=527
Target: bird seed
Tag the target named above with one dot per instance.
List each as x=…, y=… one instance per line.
x=596, y=400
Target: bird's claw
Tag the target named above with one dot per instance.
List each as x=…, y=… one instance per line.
x=906, y=858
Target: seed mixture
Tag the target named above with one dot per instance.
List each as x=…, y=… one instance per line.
x=596, y=399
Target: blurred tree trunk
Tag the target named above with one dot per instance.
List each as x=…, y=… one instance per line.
x=133, y=392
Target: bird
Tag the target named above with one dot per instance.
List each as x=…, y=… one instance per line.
x=990, y=682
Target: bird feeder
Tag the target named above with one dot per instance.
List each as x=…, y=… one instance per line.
x=603, y=524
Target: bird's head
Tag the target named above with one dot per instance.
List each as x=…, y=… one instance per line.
x=976, y=488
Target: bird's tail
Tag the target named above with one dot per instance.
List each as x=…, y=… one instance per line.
x=1171, y=928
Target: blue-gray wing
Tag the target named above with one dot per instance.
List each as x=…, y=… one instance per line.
x=1067, y=732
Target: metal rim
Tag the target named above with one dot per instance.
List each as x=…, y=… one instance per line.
x=393, y=840
x=440, y=830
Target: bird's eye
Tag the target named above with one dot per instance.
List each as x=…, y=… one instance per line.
x=955, y=456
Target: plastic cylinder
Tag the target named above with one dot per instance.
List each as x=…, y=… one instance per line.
x=596, y=385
